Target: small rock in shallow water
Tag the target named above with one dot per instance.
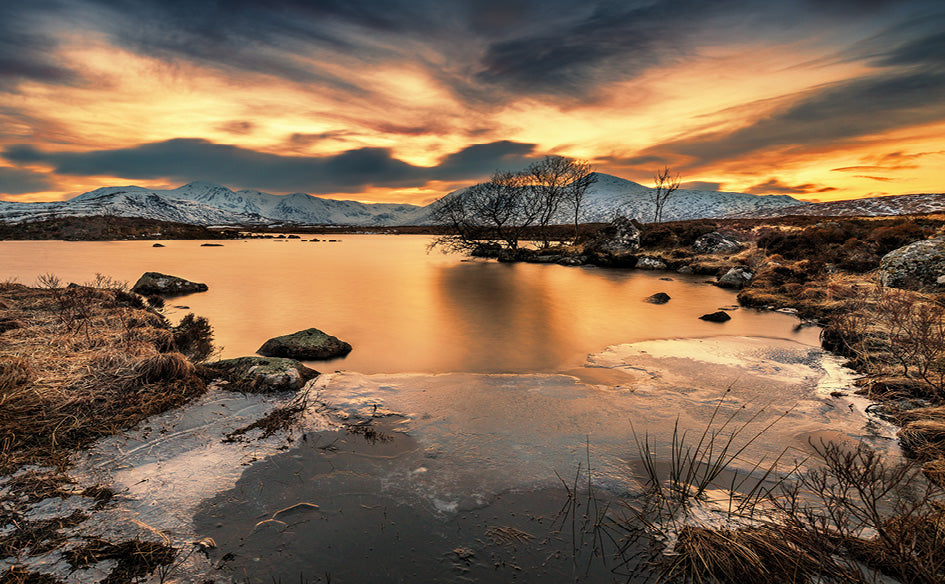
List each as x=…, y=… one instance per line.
x=658, y=298
x=310, y=344
x=164, y=285
x=716, y=317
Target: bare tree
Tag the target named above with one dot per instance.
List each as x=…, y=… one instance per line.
x=498, y=213
x=665, y=185
x=558, y=184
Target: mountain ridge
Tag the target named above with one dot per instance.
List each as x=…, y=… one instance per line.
x=203, y=203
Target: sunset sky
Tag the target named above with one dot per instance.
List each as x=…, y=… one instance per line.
x=405, y=100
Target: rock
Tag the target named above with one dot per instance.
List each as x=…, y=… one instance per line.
x=667, y=279
x=164, y=285
x=917, y=266
x=544, y=259
x=572, y=261
x=736, y=277
x=294, y=237
x=264, y=374
x=658, y=298
x=308, y=345
x=211, y=245
x=715, y=242
x=685, y=270
x=158, y=245
x=618, y=238
x=648, y=263
x=716, y=317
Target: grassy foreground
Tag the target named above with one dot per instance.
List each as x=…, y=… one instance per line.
x=78, y=363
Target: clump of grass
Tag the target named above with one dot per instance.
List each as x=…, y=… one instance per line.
x=135, y=558
x=851, y=517
x=15, y=372
x=107, y=362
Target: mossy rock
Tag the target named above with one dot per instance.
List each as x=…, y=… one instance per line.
x=308, y=345
x=264, y=374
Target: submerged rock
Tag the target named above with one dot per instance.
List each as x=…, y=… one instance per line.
x=716, y=242
x=736, y=277
x=165, y=285
x=915, y=266
x=658, y=298
x=158, y=245
x=719, y=316
x=309, y=345
x=264, y=374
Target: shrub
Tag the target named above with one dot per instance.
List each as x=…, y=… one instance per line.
x=194, y=337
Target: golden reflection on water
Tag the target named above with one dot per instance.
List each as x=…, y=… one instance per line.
x=405, y=310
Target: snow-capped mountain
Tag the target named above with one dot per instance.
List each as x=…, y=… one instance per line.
x=202, y=203
x=126, y=202
x=869, y=207
x=609, y=196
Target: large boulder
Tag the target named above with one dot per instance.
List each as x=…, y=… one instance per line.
x=716, y=242
x=308, y=345
x=736, y=277
x=619, y=238
x=919, y=265
x=263, y=374
x=164, y=285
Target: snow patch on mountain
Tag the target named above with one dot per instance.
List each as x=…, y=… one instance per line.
x=868, y=207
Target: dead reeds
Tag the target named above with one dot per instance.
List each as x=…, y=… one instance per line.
x=89, y=362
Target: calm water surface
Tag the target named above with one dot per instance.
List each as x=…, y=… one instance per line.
x=403, y=309
x=489, y=381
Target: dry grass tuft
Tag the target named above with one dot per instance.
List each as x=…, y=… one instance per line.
x=15, y=372
x=758, y=554
x=925, y=438
x=107, y=362
x=164, y=367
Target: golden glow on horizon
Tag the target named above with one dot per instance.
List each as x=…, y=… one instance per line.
x=137, y=100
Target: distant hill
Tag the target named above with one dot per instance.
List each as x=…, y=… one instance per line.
x=870, y=207
x=201, y=203
x=610, y=195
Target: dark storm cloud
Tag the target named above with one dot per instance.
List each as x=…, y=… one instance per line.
x=773, y=185
x=27, y=49
x=834, y=114
x=17, y=181
x=186, y=160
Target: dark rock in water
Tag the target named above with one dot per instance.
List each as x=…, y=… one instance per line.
x=715, y=242
x=917, y=266
x=308, y=345
x=686, y=270
x=572, y=261
x=658, y=298
x=294, y=237
x=716, y=317
x=158, y=245
x=263, y=374
x=736, y=277
x=211, y=245
x=164, y=285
